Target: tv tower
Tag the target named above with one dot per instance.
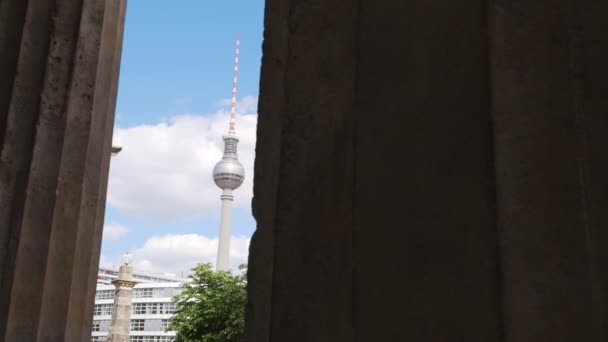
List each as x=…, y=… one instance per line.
x=228, y=174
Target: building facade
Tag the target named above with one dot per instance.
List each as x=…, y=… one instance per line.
x=151, y=309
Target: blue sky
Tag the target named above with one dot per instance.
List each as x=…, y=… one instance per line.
x=176, y=75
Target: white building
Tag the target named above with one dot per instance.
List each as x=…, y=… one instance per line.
x=152, y=306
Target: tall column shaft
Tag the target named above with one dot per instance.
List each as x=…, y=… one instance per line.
x=120, y=326
x=86, y=259
x=431, y=170
x=223, y=248
x=56, y=69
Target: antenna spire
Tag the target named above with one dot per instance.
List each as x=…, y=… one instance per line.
x=236, y=74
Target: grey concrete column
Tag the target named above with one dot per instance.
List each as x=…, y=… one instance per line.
x=120, y=326
x=54, y=117
x=82, y=290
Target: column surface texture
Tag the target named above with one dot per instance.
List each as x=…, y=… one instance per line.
x=431, y=171
x=120, y=325
x=58, y=77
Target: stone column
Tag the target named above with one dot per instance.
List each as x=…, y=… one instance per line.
x=59, y=70
x=120, y=326
x=431, y=170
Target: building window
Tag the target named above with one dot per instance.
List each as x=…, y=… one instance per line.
x=168, y=308
x=102, y=309
x=137, y=324
x=152, y=308
x=139, y=308
x=151, y=339
x=104, y=294
x=95, y=326
x=143, y=293
x=148, y=292
x=164, y=324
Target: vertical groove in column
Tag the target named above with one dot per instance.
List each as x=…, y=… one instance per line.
x=18, y=136
x=547, y=285
x=91, y=279
x=30, y=264
x=589, y=71
x=356, y=162
x=80, y=132
x=576, y=52
x=496, y=196
x=12, y=18
x=312, y=252
x=96, y=170
x=425, y=183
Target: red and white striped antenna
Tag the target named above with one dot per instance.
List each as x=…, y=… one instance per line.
x=236, y=74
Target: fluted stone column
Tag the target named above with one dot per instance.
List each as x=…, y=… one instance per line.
x=431, y=170
x=59, y=64
x=120, y=326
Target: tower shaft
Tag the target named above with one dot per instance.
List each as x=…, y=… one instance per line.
x=223, y=250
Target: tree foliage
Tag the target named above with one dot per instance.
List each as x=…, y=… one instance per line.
x=211, y=307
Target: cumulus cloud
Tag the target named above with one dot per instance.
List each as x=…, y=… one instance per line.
x=164, y=170
x=114, y=232
x=175, y=253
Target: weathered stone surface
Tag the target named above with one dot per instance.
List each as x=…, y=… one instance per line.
x=546, y=274
x=86, y=260
x=120, y=325
x=431, y=171
x=57, y=98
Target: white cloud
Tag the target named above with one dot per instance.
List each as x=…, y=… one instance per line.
x=114, y=232
x=179, y=253
x=104, y=261
x=164, y=170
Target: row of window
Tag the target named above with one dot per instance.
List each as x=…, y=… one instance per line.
x=138, y=309
x=224, y=175
x=153, y=308
x=151, y=338
x=230, y=179
x=136, y=325
x=105, y=294
x=102, y=309
x=137, y=339
x=140, y=324
x=137, y=293
x=149, y=292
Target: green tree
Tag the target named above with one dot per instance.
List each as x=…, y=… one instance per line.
x=211, y=307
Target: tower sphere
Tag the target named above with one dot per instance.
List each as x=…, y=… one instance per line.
x=228, y=173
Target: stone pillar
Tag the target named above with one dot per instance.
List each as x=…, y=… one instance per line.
x=431, y=170
x=120, y=326
x=59, y=70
